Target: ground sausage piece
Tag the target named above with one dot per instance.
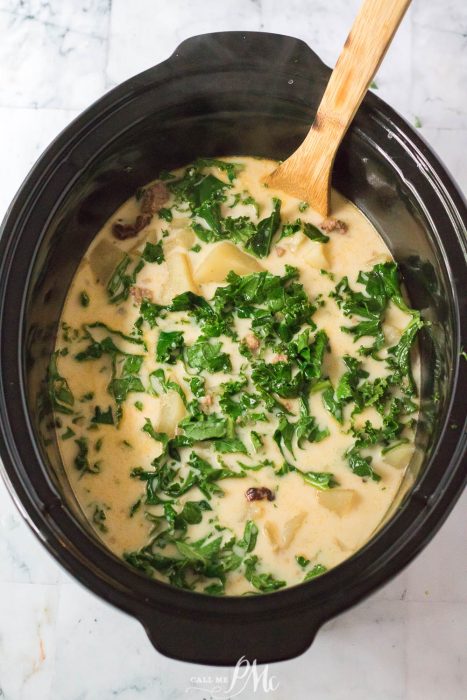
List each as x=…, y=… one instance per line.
x=140, y=293
x=252, y=342
x=259, y=493
x=335, y=225
x=280, y=251
x=206, y=400
x=278, y=358
x=154, y=198
x=123, y=231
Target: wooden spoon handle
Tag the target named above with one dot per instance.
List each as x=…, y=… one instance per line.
x=364, y=49
x=309, y=168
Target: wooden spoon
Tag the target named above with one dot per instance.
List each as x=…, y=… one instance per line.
x=306, y=174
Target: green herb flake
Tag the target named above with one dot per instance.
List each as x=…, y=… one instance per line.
x=69, y=433
x=170, y=346
x=153, y=253
x=317, y=570
x=84, y=299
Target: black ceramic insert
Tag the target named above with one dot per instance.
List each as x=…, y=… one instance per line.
x=223, y=94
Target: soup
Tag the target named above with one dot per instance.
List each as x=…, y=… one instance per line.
x=233, y=381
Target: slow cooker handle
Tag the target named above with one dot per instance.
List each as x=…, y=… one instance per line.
x=223, y=640
x=232, y=50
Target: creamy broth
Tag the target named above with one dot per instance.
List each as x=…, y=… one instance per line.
x=128, y=395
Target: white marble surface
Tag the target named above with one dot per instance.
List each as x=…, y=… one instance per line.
x=59, y=642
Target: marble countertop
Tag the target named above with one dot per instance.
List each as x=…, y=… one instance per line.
x=57, y=640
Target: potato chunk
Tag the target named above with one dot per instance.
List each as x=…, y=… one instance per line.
x=291, y=528
x=223, y=258
x=180, y=275
x=172, y=411
x=180, y=238
x=103, y=259
x=313, y=254
x=339, y=501
x=283, y=539
x=399, y=457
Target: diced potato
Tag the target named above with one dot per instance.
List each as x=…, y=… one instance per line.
x=181, y=222
x=132, y=420
x=339, y=501
x=392, y=334
x=172, y=411
x=223, y=258
x=399, y=457
x=180, y=275
x=377, y=259
x=313, y=254
x=283, y=539
x=103, y=259
x=395, y=321
x=292, y=243
x=291, y=528
x=272, y=533
x=180, y=238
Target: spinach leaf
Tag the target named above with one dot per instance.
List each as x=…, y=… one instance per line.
x=347, y=388
x=98, y=518
x=153, y=252
x=60, y=394
x=319, y=480
x=200, y=426
x=332, y=404
x=198, y=386
x=290, y=229
x=306, y=428
x=266, y=583
x=250, y=536
x=361, y=466
x=381, y=285
x=302, y=561
x=314, y=234
x=128, y=381
x=122, y=279
x=309, y=357
x=310, y=231
x=399, y=356
x=256, y=440
x=317, y=570
x=228, y=445
x=111, y=344
x=160, y=384
x=103, y=417
x=151, y=312
x=283, y=436
x=212, y=323
x=170, y=346
x=231, y=169
x=237, y=408
x=278, y=379
x=278, y=304
x=208, y=557
x=165, y=213
x=260, y=242
x=204, y=355
x=81, y=460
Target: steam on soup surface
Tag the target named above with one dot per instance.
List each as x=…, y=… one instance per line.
x=233, y=381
